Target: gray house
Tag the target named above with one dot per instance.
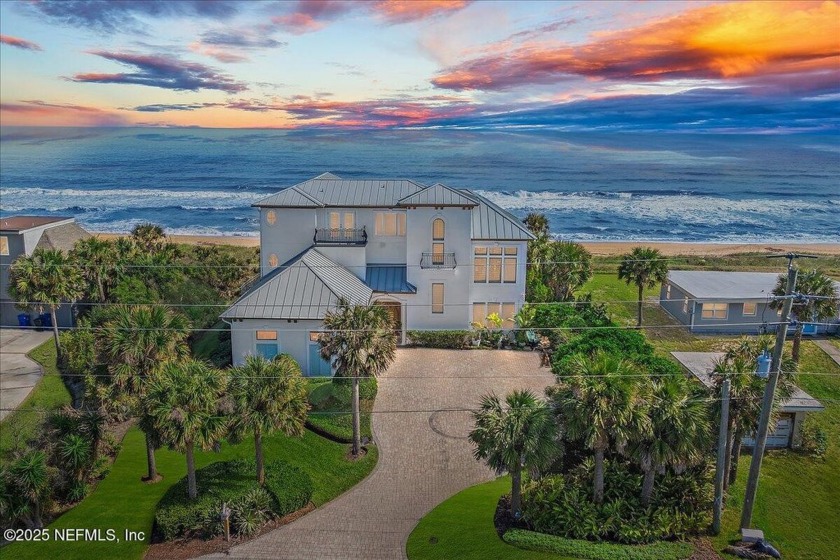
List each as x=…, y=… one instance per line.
x=726, y=302
x=21, y=235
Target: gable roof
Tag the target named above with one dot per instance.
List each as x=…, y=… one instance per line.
x=62, y=237
x=493, y=223
x=305, y=287
x=329, y=190
x=291, y=198
x=438, y=195
x=18, y=224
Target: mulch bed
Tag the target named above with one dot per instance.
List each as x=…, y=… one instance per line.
x=191, y=548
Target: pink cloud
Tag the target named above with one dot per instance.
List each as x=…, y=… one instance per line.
x=402, y=11
x=20, y=43
x=42, y=113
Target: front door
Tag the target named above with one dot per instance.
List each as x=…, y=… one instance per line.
x=394, y=308
x=318, y=366
x=267, y=350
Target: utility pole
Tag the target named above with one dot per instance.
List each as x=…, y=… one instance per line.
x=723, y=439
x=769, y=392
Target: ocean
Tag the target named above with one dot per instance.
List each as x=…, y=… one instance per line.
x=592, y=186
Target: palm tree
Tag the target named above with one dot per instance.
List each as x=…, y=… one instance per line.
x=45, y=279
x=137, y=341
x=361, y=342
x=268, y=396
x=149, y=237
x=537, y=224
x=25, y=488
x=819, y=308
x=98, y=261
x=567, y=267
x=679, y=432
x=600, y=403
x=516, y=435
x=183, y=402
x=645, y=267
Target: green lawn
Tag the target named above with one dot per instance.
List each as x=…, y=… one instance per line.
x=50, y=393
x=326, y=402
x=798, y=497
x=122, y=501
x=462, y=527
x=743, y=261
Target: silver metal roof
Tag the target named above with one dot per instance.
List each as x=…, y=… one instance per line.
x=306, y=287
x=706, y=284
x=326, y=191
x=438, y=195
x=701, y=364
x=493, y=223
x=291, y=198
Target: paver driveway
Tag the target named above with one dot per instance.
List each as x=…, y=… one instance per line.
x=424, y=456
x=18, y=374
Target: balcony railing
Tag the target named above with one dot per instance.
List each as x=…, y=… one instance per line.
x=438, y=260
x=340, y=236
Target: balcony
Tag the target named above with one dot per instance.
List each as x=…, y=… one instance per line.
x=438, y=260
x=340, y=236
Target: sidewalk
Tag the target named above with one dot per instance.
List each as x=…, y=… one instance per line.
x=18, y=374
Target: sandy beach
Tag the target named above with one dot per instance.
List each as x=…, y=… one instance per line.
x=600, y=248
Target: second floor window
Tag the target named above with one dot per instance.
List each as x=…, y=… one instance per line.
x=390, y=224
x=438, y=233
x=342, y=220
x=495, y=265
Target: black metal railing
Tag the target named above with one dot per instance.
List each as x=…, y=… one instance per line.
x=340, y=236
x=438, y=260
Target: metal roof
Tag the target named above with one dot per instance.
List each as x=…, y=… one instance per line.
x=701, y=364
x=16, y=224
x=388, y=278
x=493, y=223
x=438, y=195
x=305, y=287
x=290, y=198
x=344, y=193
x=705, y=284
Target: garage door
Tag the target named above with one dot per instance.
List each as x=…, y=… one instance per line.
x=780, y=437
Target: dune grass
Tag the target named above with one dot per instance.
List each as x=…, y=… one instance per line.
x=21, y=426
x=122, y=502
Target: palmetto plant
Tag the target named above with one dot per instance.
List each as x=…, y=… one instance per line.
x=568, y=267
x=515, y=435
x=99, y=263
x=818, y=308
x=184, y=402
x=601, y=403
x=75, y=453
x=679, y=434
x=137, y=341
x=45, y=279
x=645, y=268
x=25, y=489
x=361, y=341
x=148, y=237
x=268, y=396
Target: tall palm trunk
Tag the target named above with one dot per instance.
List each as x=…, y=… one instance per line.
x=55, y=331
x=736, y=452
x=192, y=490
x=598, y=493
x=150, y=458
x=727, y=464
x=516, y=488
x=797, y=342
x=259, y=453
x=641, y=295
x=357, y=429
x=647, y=486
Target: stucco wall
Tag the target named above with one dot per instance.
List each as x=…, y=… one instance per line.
x=292, y=337
x=291, y=233
x=504, y=292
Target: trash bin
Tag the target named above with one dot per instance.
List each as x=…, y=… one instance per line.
x=39, y=325
x=24, y=320
x=46, y=320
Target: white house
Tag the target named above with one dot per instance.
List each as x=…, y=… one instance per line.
x=437, y=257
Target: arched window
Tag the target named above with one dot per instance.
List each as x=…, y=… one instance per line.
x=438, y=233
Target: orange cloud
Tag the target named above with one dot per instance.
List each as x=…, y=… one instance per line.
x=20, y=43
x=401, y=11
x=732, y=40
x=41, y=113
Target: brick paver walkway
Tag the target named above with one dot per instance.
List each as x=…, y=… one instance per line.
x=424, y=456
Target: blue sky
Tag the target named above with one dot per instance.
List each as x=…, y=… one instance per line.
x=768, y=67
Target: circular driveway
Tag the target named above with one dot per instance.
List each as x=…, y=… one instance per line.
x=420, y=427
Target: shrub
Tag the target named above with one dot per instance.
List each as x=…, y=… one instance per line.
x=454, y=340
x=287, y=489
x=541, y=542
x=619, y=342
x=814, y=439
x=342, y=389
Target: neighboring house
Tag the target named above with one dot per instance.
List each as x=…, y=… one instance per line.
x=727, y=302
x=792, y=411
x=21, y=235
x=436, y=257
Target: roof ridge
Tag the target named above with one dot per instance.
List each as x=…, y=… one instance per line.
x=308, y=196
x=502, y=211
x=314, y=270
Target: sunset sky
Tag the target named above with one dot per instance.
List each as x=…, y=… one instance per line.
x=770, y=67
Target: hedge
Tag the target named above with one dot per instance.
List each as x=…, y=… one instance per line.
x=541, y=542
x=455, y=340
x=286, y=489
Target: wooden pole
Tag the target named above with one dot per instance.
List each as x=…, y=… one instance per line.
x=720, y=472
x=767, y=405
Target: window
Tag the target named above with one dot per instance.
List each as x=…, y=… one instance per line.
x=506, y=311
x=495, y=265
x=685, y=306
x=438, y=232
x=750, y=308
x=271, y=217
x=266, y=335
x=390, y=224
x=4, y=245
x=273, y=260
x=315, y=336
x=437, y=298
x=341, y=220
x=715, y=310
x=667, y=291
